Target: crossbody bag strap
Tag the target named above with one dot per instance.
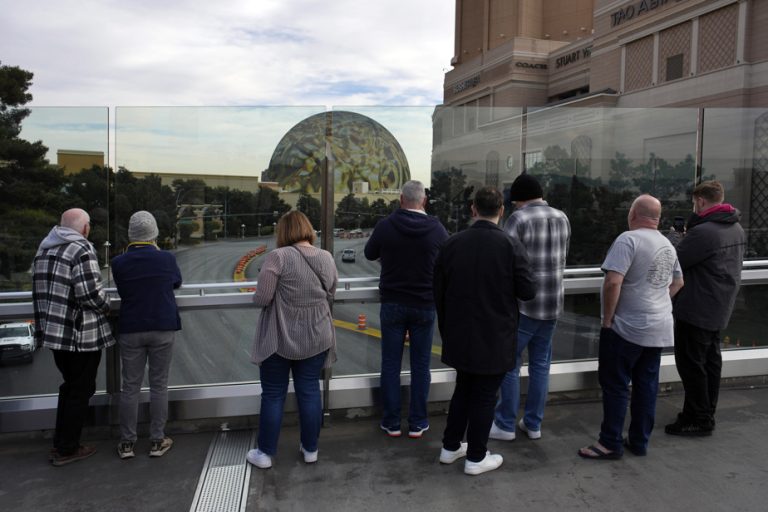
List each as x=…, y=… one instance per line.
x=317, y=274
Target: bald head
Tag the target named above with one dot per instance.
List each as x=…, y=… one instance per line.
x=76, y=219
x=645, y=212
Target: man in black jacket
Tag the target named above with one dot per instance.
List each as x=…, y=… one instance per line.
x=480, y=274
x=406, y=242
x=711, y=256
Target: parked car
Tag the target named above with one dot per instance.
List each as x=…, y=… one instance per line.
x=17, y=342
x=348, y=255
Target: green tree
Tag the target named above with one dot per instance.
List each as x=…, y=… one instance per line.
x=30, y=188
x=311, y=207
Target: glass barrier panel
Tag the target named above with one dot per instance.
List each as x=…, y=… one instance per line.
x=735, y=153
x=28, y=369
x=595, y=161
x=577, y=331
x=216, y=179
x=375, y=150
x=51, y=159
x=749, y=322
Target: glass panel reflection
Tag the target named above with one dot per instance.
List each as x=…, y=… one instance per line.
x=735, y=153
x=210, y=177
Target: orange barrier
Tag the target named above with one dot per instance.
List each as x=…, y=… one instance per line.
x=362, y=322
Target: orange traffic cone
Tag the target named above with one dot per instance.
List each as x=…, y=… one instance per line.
x=362, y=322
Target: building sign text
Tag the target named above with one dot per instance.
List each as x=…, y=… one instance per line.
x=466, y=84
x=638, y=8
x=572, y=57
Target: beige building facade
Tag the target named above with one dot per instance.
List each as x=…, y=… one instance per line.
x=632, y=53
x=602, y=89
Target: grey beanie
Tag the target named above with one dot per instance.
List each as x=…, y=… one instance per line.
x=142, y=227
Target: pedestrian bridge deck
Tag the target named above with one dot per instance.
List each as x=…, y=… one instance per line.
x=360, y=469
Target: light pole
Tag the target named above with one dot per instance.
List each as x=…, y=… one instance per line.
x=242, y=231
x=259, y=231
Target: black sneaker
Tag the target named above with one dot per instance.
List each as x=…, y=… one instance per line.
x=125, y=449
x=688, y=429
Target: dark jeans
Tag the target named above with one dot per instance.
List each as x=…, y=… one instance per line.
x=698, y=359
x=274, y=385
x=79, y=372
x=620, y=362
x=471, y=411
x=396, y=319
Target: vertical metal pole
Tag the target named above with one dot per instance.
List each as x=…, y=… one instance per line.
x=699, y=146
x=326, y=227
x=523, y=139
x=113, y=374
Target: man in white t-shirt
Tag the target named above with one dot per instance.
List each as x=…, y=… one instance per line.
x=642, y=275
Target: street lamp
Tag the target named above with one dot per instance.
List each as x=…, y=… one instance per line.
x=242, y=231
x=259, y=232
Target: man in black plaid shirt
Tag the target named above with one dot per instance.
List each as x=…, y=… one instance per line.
x=545, y=232
x=70, y=319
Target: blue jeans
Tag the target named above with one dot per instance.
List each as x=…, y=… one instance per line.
x=420, y=324
x=274, y=387
x=536, y=336
x=620, y=362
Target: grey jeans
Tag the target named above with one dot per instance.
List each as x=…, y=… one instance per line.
x=136, y=349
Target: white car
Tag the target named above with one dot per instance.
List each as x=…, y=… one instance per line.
x=17, y=341
x=348, y=255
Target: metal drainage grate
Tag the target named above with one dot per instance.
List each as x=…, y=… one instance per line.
x=223, y=485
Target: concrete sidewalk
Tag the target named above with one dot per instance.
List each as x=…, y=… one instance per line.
x=360, y=469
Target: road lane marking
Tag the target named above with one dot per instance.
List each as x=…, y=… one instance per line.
x=376, y=333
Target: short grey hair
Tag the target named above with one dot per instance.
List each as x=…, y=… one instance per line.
x=413, y=192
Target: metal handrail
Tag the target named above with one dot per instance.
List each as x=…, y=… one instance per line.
x=350, y=289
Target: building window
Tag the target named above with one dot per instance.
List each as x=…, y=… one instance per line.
x=532, y=158
x=675, y=67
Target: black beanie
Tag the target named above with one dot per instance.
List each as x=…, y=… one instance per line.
x=525, y=187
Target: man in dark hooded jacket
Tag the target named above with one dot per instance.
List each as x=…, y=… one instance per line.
x=407, y=243
x=711, y=256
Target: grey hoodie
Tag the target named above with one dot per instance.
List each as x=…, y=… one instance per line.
x=59, y=236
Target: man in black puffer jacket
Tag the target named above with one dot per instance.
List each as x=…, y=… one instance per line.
x=711, y=256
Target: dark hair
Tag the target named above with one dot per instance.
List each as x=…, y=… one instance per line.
x=294, y=227
x=710, y=191
x=488, y=202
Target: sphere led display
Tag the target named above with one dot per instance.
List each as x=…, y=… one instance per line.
x=362, y=150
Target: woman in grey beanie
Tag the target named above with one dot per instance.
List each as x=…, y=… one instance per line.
x=145, y=278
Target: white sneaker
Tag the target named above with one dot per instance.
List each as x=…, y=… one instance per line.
x=532, y=434
x=489, y=463
x=259, y=459
x=501, y=435
x=309, y=457
x=449, y=457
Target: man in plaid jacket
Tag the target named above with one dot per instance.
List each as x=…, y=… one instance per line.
x=545, y=232
x=71, y=320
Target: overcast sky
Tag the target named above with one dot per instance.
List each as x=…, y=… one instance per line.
x=255, y=52
x=231, y=53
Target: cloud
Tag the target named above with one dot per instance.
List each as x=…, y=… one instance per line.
x=292, y=52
